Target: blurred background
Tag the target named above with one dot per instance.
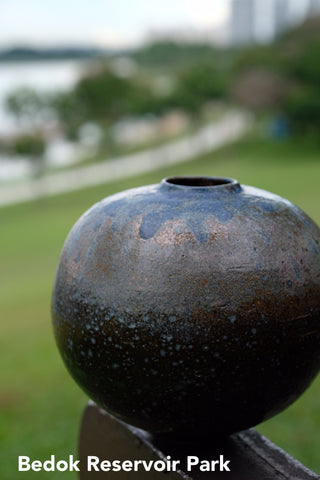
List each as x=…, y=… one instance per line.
x=97, y=97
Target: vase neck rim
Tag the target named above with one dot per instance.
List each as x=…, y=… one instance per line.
x=201, y=183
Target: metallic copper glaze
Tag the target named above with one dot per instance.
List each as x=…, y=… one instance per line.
x=191, y=306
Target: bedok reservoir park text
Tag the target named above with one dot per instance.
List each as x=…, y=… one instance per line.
x=94, y=463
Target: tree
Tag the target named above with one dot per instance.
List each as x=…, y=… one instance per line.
x=27, y=105
x=199, y=84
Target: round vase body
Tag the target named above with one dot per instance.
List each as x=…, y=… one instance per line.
x=192, y=306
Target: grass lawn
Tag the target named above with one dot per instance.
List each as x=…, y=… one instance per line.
x=40, y=403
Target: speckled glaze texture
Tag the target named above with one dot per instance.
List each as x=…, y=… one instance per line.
x=191, y=306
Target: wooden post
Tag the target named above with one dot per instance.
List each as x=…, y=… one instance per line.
x=252, y=456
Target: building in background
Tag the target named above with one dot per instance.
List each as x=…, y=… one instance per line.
x=314, y=7
x=282, y=18
x=261, y=21
x=242, y=22
x=256, y=21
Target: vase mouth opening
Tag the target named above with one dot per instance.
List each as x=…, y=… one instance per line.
x=200, y=182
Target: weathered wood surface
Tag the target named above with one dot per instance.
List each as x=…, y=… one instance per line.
x=252, y=456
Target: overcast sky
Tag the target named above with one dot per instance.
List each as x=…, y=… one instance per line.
x=113, y=23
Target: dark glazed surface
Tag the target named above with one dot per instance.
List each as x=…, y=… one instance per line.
x=192, y=305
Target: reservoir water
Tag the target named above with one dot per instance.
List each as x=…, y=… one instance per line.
x=46, y=76
x=40, y=75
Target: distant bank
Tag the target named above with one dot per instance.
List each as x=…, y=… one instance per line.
x=25, y=54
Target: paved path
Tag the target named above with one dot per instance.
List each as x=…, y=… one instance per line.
x=232, y=126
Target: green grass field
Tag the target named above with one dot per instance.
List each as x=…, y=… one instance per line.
x=40, y=404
